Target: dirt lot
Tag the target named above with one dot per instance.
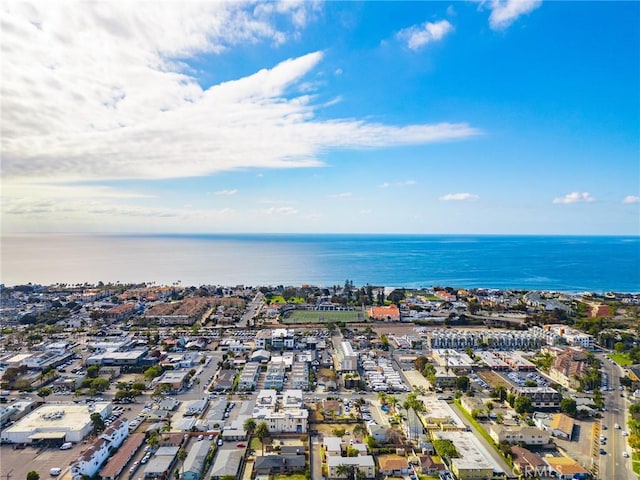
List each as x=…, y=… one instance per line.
x=19, y=462
x=326, y=429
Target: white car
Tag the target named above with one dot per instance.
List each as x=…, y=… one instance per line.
x=625, y=454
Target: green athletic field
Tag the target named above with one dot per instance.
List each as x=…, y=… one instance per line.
x=308, y=316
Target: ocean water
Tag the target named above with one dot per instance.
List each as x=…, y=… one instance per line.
x=558, y=263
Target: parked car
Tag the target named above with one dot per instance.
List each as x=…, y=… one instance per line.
x=241, y=445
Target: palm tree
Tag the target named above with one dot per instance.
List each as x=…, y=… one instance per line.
x=262, y=432
x=359, y=431
x=249, y=426
x=349, y=471
x=392, y=401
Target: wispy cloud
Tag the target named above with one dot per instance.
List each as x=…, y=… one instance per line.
x=280, y=211
x=418, y=36
x=406, y=183
x=631, y=199
x=460, y=197
x=575, y=197
x=121, y=103
x=225, y=192
x=341, y=195
x=505, y=12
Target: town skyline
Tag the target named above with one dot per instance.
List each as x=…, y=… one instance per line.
x=495, y=117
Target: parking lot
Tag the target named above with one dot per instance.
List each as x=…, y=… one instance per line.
x=20, y=462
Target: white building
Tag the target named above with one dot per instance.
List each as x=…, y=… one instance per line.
x=92, y=458
x=285, y=413
x=62, y=422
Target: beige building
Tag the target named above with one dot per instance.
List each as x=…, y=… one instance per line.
x=516, y=434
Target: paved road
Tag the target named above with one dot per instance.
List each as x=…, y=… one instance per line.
x=613, y=466
x=253, y=309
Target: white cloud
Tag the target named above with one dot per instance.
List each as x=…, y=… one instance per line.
x=631, y=199
x=460, y=197
x=575, y=197
x=97, y=91
x=505, y=12
x=226, y=192
x=406, y=183
x=341, y=195
x=280, y=211
x=418, y=36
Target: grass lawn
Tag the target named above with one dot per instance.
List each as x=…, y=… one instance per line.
x=636, y=468
x=281, y=299
x=312, y=316
x=621, y=359
x=292, y=476
x=255, y=444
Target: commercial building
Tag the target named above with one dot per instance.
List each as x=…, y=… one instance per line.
x=56, y=423
x=474, y=462
x=130, y=358
x=175, y=380
x=541, y=397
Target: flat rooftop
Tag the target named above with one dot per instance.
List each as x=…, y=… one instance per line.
x=472, y=455
x=61, y=416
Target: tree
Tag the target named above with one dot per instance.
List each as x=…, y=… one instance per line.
x=153, y=441
x=92, y=371
x=249, y=426
x=462, y=383
x=23, y=385
x=339, y=432
x=44, y=392
x=100, y=384
x=98, y=423
x=182, y=454
x=349, y=471
x=499, y=393
x=262, y=432
x=359, y=431
x=522, y=404
x=152, y=372
x=33, y=475
x=568, y=406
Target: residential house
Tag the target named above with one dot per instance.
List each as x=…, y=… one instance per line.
x=393, y=465
x=91, y=458
x=364, y=464
x=279, y=464
x=562, y=426
x=194, y=463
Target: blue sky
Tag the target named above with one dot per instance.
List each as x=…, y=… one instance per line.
x=495, y=117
